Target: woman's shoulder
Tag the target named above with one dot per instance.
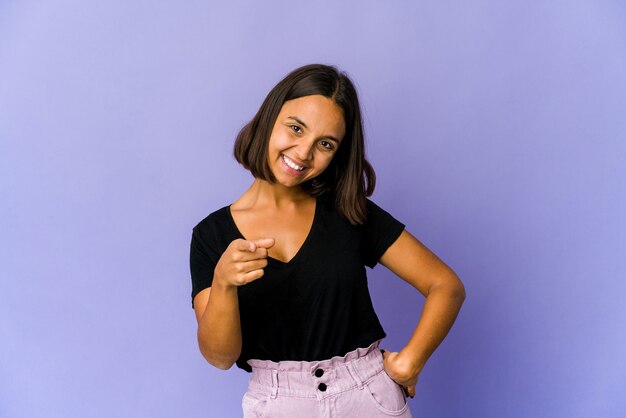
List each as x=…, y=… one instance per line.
x=374, y=210
x=380, y=219
x=215, y=231
x=214, y=220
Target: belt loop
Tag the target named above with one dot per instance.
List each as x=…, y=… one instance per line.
x=355, y=375
x=274, y=384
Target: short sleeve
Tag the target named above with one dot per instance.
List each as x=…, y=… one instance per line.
x=380, y=230
x=203, y=258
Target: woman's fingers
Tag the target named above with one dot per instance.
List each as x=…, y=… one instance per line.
x=253, y=269
x=264, y=242
x=246, y=260
x=252, y=265
x=246, y=250
x=245, y=246
x=242, y=262
x=252, y=276
x=243, y=272
x=253, y=244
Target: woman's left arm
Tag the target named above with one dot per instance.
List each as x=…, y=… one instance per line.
x=421, y=268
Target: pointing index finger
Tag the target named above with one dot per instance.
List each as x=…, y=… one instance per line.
x=245, y=245
x=264, y=242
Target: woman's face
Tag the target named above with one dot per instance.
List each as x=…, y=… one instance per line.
x=304, y=139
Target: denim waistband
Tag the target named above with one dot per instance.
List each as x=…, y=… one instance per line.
x=316, y=379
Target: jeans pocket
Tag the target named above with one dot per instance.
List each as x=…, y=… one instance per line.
x=253, y=404
x=387, y=395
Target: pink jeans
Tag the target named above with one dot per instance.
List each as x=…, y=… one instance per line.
x=355, y=385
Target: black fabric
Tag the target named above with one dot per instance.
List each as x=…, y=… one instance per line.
x=317, y=305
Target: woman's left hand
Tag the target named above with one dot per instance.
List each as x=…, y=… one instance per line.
x=401, y=370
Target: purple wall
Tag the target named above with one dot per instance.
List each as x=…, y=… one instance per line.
x=498, y=131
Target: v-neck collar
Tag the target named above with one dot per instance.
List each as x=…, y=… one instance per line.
x=272, y=260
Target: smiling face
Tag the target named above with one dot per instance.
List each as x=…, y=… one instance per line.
x=304, y=139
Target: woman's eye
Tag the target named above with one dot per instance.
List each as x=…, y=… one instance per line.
x=327, y=145
x=296, y=128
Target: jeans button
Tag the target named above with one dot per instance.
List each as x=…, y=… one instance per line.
x=319, y=373
x=322, y=387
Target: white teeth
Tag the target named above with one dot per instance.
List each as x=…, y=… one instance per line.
x=292, y=164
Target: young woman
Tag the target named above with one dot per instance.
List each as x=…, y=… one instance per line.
x=279, y=281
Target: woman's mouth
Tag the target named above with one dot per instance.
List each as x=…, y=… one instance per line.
x=291, y=164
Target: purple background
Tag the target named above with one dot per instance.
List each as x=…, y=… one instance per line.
x=497, y=130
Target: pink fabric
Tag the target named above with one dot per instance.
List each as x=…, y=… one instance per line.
x=355, y=385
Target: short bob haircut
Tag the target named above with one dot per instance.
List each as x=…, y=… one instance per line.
x=349, y=178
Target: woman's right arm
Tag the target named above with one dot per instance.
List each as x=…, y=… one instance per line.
x=217, y=307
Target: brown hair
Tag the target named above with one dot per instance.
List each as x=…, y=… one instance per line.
x=349, y=178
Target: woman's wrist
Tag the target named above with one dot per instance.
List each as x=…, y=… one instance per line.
x=222, y=284
x=411, y=361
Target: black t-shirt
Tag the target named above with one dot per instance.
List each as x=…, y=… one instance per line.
x=317, y=305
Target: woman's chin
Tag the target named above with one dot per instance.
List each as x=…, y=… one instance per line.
x=289, y=181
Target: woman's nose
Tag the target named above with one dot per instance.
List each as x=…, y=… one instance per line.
x=304, y=151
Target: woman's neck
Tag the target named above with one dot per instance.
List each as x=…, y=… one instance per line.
x=271, y=195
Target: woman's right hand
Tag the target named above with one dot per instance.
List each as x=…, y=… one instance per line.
x=242, y=262
x=217, y=307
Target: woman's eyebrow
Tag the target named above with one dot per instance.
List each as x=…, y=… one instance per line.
x=298, y=120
